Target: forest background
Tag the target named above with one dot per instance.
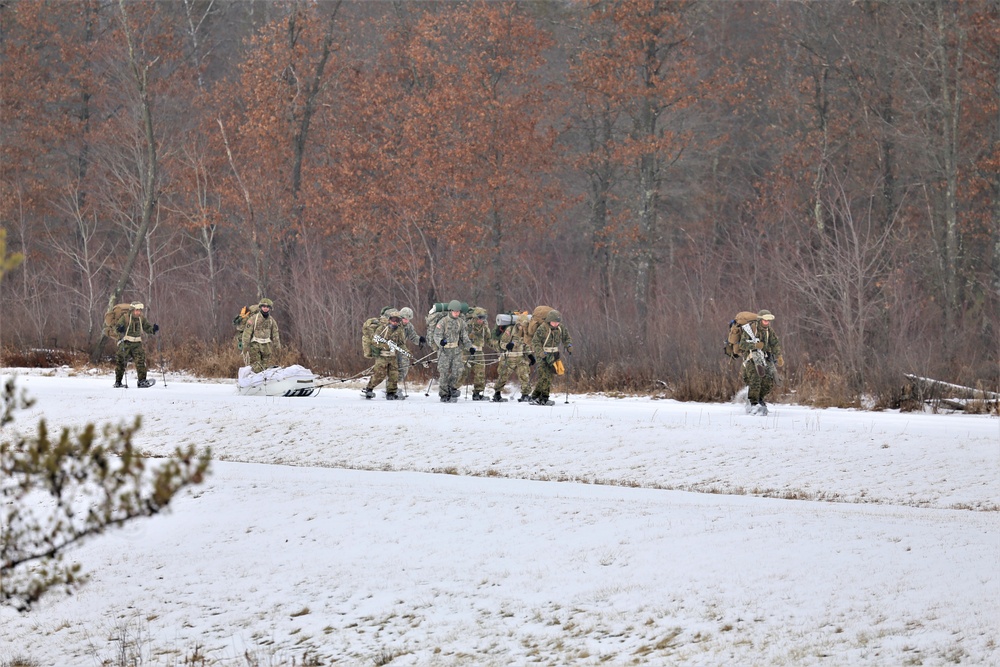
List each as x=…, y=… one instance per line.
x=649, y=168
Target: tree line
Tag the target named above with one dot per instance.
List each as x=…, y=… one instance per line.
x=650, y=168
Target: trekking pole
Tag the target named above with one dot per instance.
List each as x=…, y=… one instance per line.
x=163, y=372
x=429, y=383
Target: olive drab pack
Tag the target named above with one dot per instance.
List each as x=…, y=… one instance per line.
x=435, y=315
x=112, y=316
x=240, y=322
x=368, y=330
x=732, y=347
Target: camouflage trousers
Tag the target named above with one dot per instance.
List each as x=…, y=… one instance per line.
x=258, y=356
x=758, y=387
x=509, y=365
x=130, y=350
x=543, y=385
x=451, y=368
x=386, y=368
x=477, y=362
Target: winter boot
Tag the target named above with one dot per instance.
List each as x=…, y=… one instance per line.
x=391, y=396
x=542, y=400
x=455, y=393
x=477, y=395
x=762, y=408
x=143, y=383
x=368, y=393
x=497, y=398
x=118, y=384
x=524, y=398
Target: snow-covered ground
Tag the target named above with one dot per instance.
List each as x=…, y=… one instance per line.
x=598, y=531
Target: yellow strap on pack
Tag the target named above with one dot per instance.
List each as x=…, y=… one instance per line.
x=558, y=367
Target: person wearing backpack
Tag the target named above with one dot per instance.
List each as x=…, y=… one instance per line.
x=411, y=336
x=759, y=383
x=545, y=344
x=259, y=334
x=481, y=336
x=451, y=336
x=515, y=357
x=130, y=328
x=384, y=338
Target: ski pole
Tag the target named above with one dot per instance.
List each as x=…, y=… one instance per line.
x=163, y=372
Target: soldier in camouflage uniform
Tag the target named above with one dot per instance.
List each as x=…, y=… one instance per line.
x=259, y=334
x=515, y=356
x=411, y=335
x=481, y=336
x=385, y=338
x=130, y=328
x=545, y=347
x=452, y=338
x=760, y=385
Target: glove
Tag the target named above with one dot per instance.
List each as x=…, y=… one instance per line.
x=781, y=361
x=569, y=350
x=531, y=360
x=156, y=327
x=759, y=345
x=509, y=346
x=444, y=341
x=555, y=357
x=422, y=341
x=120, y=328
x=472, y=350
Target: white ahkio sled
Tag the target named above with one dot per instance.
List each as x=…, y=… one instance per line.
x=292, y=381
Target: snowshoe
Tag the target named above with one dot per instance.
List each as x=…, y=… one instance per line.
x=391, y=396
x=477, y=395
x=145, y=383
x=497, y=398
x=368, y=393
x=455, y=393
x=762, y=409
x=524, y=398
x=119, y=385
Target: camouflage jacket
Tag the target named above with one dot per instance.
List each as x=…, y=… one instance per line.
x=133, y=327
x=512, y=334
x=410, y=333
x=385, y=334
x=772, y=346
x=453, y=330
x=264, y=329
x=479, y=333
x=547, y=339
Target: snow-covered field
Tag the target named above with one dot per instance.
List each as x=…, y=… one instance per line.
x=602, y=531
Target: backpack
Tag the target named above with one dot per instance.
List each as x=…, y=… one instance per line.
x=537, y=318
x=240, y=322
x=732, y=347
x=367, y=334
x=112, y=316
x=433, y=318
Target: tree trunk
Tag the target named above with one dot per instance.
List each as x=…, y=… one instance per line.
x=140, y=74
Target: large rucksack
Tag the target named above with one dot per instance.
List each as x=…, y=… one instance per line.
x=732, y=347
x=112, y=316
x=537, y=318
x=368, y=330
x=240, y=322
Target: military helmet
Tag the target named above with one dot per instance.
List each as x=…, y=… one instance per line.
x=765, y=315
x=553, y=316
x=406, y=313
x=479, y=313
x=393, y=313
x=454, y=304
x=266, y=302
x=137, y=306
